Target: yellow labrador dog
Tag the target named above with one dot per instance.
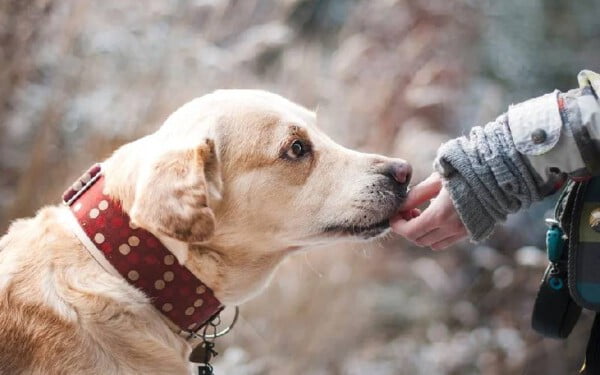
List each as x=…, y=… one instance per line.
x=231, y=184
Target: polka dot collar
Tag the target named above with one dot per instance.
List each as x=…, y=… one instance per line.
x=139, y=256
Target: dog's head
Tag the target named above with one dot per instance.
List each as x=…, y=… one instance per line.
x=249, y=164
x=250, y=169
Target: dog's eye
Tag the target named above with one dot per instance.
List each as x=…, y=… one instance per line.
x=297, y=150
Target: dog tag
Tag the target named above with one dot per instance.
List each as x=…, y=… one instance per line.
x=205, y=369
x=202, y=354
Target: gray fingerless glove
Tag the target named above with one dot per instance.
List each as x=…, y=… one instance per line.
x=486, y=177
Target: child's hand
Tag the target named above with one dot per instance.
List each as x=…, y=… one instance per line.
x=439, y=225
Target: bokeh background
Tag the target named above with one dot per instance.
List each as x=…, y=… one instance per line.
x=398, y=77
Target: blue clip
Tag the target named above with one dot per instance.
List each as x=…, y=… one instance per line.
x=555, y=242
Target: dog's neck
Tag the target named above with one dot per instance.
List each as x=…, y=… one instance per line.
x=124, y=249
x=235, y=272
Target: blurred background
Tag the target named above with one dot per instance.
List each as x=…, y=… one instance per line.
x=398, y=77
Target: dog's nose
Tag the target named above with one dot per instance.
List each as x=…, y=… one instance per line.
x=400, y=171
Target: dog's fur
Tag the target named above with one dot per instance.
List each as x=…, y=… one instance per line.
x=221, y=188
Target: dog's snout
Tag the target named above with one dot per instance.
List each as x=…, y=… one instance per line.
x=399, y=171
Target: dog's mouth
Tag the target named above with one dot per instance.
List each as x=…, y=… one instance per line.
x=374, y=218
x=364, y=231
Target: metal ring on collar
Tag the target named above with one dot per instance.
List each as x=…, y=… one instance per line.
x=220, y=333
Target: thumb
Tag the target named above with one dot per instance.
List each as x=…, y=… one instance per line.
x=422, y=192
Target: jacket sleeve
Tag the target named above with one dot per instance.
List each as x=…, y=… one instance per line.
x=523, y=156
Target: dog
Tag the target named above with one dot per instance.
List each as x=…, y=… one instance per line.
x=231, y=184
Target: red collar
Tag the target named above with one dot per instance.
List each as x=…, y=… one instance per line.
x=139, y=256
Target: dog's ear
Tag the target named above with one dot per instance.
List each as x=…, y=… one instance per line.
x=172, y=194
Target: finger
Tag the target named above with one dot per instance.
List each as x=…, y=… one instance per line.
x=433, y=236
x=441, y=245
x=415, y=227
x=406, y=228
x=423, y=192
x=415, y=212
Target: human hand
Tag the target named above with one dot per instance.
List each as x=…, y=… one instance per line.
x=439, y=225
